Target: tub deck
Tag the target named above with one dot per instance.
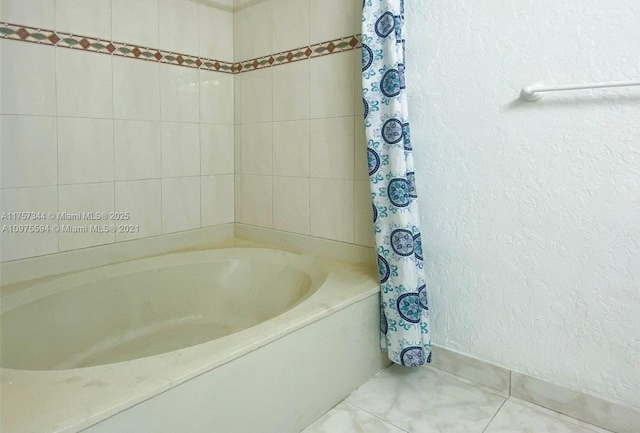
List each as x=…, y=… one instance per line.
x=68, y=401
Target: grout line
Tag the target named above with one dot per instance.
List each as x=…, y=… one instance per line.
x=467, y=382
x=55, y=91
x=160, y=139
x=158, y=23
x=559, y=415
x=163, y=121
x=113, y=124
x=494, y=416
x=308, y=121
x=271, y=122
x=386, y=421
x=200, y=178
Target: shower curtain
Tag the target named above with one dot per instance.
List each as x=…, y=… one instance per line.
x=404, y=311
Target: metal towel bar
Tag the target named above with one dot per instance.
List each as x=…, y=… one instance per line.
x=534, y=92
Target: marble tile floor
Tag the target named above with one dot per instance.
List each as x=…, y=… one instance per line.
x=426, y=400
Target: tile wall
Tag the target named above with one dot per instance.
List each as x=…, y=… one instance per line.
x=90, y=131
x=300, y=147
x=93, y=129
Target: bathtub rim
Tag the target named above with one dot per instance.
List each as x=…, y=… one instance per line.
x=339, y=292
x=42, y=268
x=40, y=289
x=315, y=271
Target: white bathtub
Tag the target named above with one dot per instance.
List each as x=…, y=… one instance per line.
x=221, y=340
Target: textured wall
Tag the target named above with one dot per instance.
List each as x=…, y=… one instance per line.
x=531, y=212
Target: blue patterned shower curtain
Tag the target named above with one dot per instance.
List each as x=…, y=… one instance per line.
x=404, y=312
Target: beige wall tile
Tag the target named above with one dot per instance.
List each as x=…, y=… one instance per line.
x=28, y=82
x=180, y=204
x=28, y=145
x=291, y=204
x=256, y=96
x=291, y=91
x=36, y=13
x=93, y=197
x=332, y=86
x=291, y=148
x=217, y=199
x=179, y=94
x=84, y=84
x=178, y=24
x=216, y=98
x=217, y=149
x=87, y=18
x=332, y=148
x=332, y=209
x=136, y=89
x=14, y=246
x=257, y=203
x=256, y=144
x=331, y=19
x=136, y=22
x=85, y=150
x=138, y=150
x=180, y=149
x=143, y=200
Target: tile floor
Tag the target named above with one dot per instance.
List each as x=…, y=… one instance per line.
x=426, y=400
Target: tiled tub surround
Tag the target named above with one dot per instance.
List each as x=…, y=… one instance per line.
x=300, y=148
x=168, y=160
x=92, y=128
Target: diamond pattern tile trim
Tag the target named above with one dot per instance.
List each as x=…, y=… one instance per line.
x=85, y=43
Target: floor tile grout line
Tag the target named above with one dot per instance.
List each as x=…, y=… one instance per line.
x=469, y=382
x=559, y=415
x=506, y=397
x=386, y=421
x=448, y=376
x=494, y=415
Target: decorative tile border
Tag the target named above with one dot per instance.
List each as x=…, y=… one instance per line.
x=85, y=43
x=347, y=43
x=28, y=34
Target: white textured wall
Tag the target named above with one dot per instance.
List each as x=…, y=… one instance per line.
x=531, y=212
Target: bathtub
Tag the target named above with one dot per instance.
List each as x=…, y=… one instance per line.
x=236, y=339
